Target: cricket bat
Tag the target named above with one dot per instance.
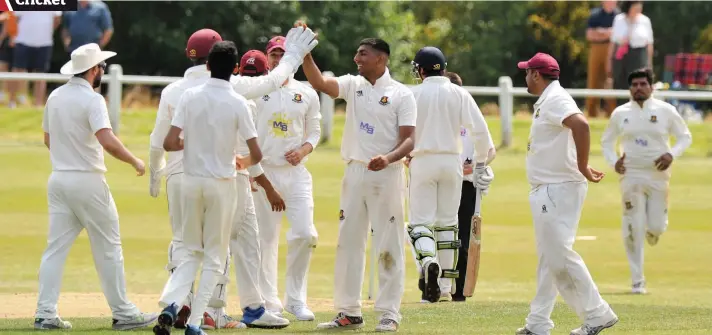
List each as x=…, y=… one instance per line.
x=473, y=253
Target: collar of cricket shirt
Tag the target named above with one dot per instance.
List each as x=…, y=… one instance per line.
x=384, y=80
x=80, y=81
x=436, y=79
x=553, y=85
x=219, y=83
x=647, y=104
x=196, y=71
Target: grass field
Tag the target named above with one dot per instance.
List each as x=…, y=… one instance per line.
x=678, y=268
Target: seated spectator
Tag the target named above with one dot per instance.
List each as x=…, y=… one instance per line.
x=91, y=23
x=33, y=50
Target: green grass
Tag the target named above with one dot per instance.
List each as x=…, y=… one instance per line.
x=678, y=268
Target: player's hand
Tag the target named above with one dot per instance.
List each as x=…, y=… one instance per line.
x=294, y=157
x=378, y=163
x=275, y=199
x=140, y=167
x=154, y=183
x=300, y=41
x=252, y=185
x=407, y=161
x=619, y=167
x=483, y=178
x=592, y=174
x=663, y=163
x=242, y=162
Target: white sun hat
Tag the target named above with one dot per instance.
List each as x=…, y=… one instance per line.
x=84, y=58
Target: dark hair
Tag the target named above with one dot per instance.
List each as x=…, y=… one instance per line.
x=646, y=73
x=549, y=77
x=222, y=59
x=627, y=5
x=430, y=73
x=454, y=78
x=377, y=44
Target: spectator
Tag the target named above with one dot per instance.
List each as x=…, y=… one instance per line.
x=33, y=50
x=598, y=35
x=632, y=44
x=91, y=23
x=7, y=42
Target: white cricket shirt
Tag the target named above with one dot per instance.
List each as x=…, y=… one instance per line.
x=645, y=134
x=551, y=151
x=194, y=76
x=244, y=150
x=286, y=119
x=442, y=109
x=374, y=114
x=211, y=117
x=72, y=116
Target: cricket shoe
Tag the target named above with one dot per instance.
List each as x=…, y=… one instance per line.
x=432, y=287
x=387, y=325
x=222, y=321
x=194, y=330
x=587, y=329
x=138, y=321
x=262, y=318
x=182, y=318
x=421, y=287
x=445, y=297
x=639, y=288
x=651, y=238
x=166, y=320
x=342, y=322
x=52, y=323
x=301, y=312
x=524, y=331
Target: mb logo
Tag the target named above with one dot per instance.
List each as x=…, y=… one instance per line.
x=280, y=125
x=38, y=5
x=367, y=128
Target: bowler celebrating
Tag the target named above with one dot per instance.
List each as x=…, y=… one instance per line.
x=210, y=118
x=557, y=169
x=436, y=170
x=645, y=125
x=380, y=122
x=288, y=128
x=76, y=132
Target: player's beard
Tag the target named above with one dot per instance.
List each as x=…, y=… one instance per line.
x=97, y=81
x=640, y=96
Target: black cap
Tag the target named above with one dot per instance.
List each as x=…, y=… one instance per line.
x=430, y=59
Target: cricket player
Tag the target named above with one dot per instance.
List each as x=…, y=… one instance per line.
x=467, y=197
x=299, y=42
x=644, y=125
x=436, y=169
x=380, y=124
x=209, y=117
x=76, y=132
x=557, y=169
x=288, y=128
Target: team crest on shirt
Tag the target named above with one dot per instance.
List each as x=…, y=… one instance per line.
x=265, y=97
x=463, y=132
x=341, y=215
x=297, y=98
x=536, y=114
x=359, y=93
x=384, y=101
x=653, y=119
x=392, y=220
x=280, y=126
x=628, y=205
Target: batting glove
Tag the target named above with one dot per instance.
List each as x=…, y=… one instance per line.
x=298, y=44
x=483, y=177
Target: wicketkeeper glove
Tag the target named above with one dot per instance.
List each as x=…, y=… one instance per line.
x=483, y=177
x=299, y=43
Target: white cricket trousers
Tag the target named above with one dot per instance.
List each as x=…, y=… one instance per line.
x=77, y=201
x=245, y=247
x=556, y=210
x=435, y=187
x=208, y=211
x=376, y=197
x=645, y=209
x=294, y=183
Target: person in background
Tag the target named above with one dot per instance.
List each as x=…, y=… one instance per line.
x=7, y=42
x=90, y=23
x=632, y=44
x=33, y=51
x=598, y=35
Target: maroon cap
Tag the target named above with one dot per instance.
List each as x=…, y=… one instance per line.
x=543, y=63
x=276, y=42
x=253, y=63
x=200, y=42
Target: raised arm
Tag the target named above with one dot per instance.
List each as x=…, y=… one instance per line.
x=320, y=83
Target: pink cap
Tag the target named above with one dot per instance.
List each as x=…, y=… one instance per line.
x=276, y=42
x=543, y=63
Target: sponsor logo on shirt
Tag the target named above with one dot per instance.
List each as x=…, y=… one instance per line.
x=366, y=127
x=280, y=125
x=641, y=142
x=265, y=97
x=359, y=93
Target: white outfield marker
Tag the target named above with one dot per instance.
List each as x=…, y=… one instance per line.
x=585, y=238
